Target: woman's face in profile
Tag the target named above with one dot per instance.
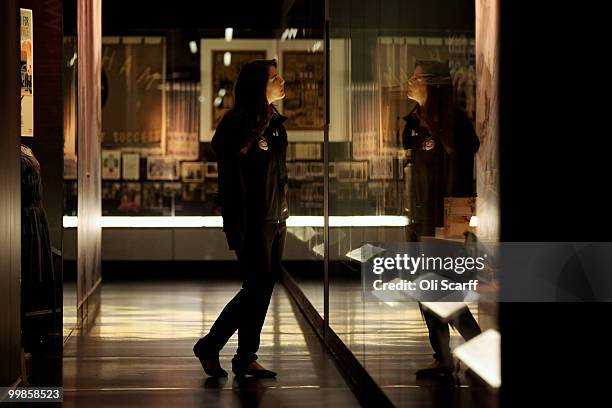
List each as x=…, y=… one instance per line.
x=276, y=86
x=417, y=86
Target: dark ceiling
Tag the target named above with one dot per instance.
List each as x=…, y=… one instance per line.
x=267, y=18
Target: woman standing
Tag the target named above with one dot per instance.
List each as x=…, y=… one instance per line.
x=443, y=143
x=251, y=144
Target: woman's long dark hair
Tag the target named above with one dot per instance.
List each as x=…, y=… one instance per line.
x=438, y=113
x=250, y=96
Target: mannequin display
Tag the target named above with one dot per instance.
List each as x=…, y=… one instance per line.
x=38, y=302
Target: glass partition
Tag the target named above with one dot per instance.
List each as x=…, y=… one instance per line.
x=69, y=83
x=407, y=166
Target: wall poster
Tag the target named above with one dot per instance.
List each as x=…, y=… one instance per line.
x=133, y=80
x=162, y=168
x=27, y=73
x=131, y=166
x=304, y=75
x=224, y=77
x=192, y=171
x=111, y=165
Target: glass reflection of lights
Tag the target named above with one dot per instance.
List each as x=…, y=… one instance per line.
x=229, y=34
x=217, y=221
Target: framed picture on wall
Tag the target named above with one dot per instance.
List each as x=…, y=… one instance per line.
x=111, y=191
x=130, y=197
x=220, y=64
x=304, y=75
x=315, y=170
x=162, y=168
x=211, y=170
x=27, y=73
x=211, y=187
x=192, y=171
x=152, y=198
x=172, y=189
x=226, y=66
x=133, y=83
x=193, y=192
x=111, y=165
x=131, y=166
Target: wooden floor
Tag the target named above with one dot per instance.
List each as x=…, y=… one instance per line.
x=138, y=353
x=390, y=339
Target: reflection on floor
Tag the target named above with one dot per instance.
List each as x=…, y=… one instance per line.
x=391, y=341
x=70, y=308
x=138, y=353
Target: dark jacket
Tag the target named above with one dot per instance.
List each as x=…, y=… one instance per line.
x=253, y=180
x=436, y=172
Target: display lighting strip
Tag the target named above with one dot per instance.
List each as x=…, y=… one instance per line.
x=217, y=222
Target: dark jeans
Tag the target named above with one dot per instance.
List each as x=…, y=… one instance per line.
x=260, y=265
x=439, y=335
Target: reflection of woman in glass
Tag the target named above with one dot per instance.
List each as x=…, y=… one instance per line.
x=251, y=146
x=443, y=143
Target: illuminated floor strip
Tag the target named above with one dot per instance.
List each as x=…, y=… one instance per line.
x=217, y=222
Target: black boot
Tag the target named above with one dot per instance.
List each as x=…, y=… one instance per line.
x=208, y=359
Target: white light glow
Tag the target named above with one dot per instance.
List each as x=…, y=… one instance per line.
x=289, y=34
x=482, y=355
x=72, y=60
x=368, y=221
x=193, y=47
x=227, y=59
x=364, y=253
x=229, y=33
x=473, y=221
x=217, y=221
x=69, y=222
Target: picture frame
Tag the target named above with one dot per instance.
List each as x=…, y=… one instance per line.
x=134, y=106
x=304, y=102
x=192, y=171
x=211, y=170
x=152, y=196
x=265, y=48
x=315, y=170
x=172, y=189
x=193, y=192
x=131, y=166
x=224, y=78
x=111, y=165
x=26, y=73
x=131, y=197
x=299, y=171
x=339, y=84
x=111, y=191
x=162, y=168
